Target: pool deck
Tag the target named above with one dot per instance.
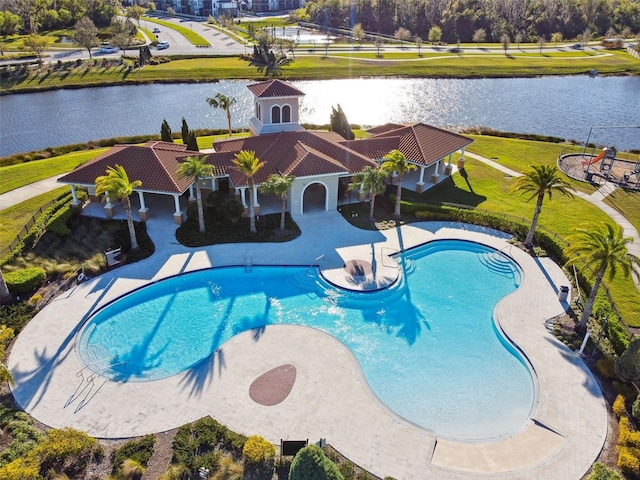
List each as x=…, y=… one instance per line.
x=330, y=398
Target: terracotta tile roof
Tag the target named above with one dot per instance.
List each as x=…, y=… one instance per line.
x=424, y=144
x=294, y=153
x=374, y=147
x=384, y=128
x=155, y=164
x=274, y=89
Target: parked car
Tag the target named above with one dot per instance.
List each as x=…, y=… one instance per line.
x=455, y=50
x=108, y=49
x=163, y=45
x=156, y=30
x=577, y=46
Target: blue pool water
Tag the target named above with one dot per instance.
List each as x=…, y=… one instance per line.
x=428, y=346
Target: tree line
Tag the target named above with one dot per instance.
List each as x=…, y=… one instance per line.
x=524, y=20
x=32, y=16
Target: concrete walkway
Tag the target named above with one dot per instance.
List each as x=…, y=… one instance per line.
x=330, y=399
x=18, y=195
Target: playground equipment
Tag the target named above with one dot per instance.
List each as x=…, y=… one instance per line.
x=608, y=157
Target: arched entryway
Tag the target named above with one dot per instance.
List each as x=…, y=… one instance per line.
x=314, y=198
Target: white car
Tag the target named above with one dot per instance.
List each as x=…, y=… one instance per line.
x=108, y=49
x=163, y=45
x=156, y=30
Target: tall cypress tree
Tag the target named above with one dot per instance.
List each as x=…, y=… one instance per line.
x=192, y=142
x=340, y=124
x=185, y=132
x=165, y=132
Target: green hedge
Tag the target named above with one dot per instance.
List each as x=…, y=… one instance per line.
x=59, y=222
x=26, y=280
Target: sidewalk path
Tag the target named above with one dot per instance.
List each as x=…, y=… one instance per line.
x=18, y=195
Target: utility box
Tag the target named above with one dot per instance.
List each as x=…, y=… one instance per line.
x=563, y=293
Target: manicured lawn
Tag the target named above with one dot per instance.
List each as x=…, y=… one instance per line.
x=194, y=38
x=628, y=203
x=319, y=67
x=519, y=155
x=15, y=176
x=13, y=219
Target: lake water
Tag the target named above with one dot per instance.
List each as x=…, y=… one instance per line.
x=565, y=107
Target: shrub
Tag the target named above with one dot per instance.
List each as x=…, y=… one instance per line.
x=192, y=211
x=310, y=463
x=605, y=367
x=635, y=408
x=138, y=450
x=24, y=436
x=195, y=442
x=231, y=210
x=35, y=299
x=21, y=469
x=60, y=445
x=58, y=222
x=17, y=315
x=626, y=437
x=26, y=280
x=628, y=462
x=619, y=408
x=601, y=472
x=257, y=450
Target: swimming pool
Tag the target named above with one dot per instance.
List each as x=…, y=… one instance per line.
x=427, y=346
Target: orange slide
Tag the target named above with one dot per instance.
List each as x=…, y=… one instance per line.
x=596, y=159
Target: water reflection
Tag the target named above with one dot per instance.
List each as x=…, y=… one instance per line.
x=560, y=106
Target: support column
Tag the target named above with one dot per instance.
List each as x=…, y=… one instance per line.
x=192, y=195
x=109, y=208
x=420, y=184
x=177, y=215
x=144, y=211
x=461, y=160
x=256, y=205
x=243, y=200
x=435, y=176
x=449, y=168
x=75, y=203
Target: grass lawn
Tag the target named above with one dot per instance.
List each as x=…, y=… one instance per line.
x=15, y=176
x=628, y=203
x=193, y=37
x=320, y=67
x=519, y=155
x=13, y=219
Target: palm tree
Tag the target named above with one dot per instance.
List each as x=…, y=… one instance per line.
x=371, y=180
x=540, y=179
x=248, y=164
x=397, y=162
x=602, y=248
x=229, y=469
x=223, y=102
x=195, y=168
x=279, y=184
x=116, y=183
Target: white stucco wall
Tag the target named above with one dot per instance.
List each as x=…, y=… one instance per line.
x=297, y=191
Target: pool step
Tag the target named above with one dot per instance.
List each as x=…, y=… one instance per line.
x=306, y=281
x=500, y=264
